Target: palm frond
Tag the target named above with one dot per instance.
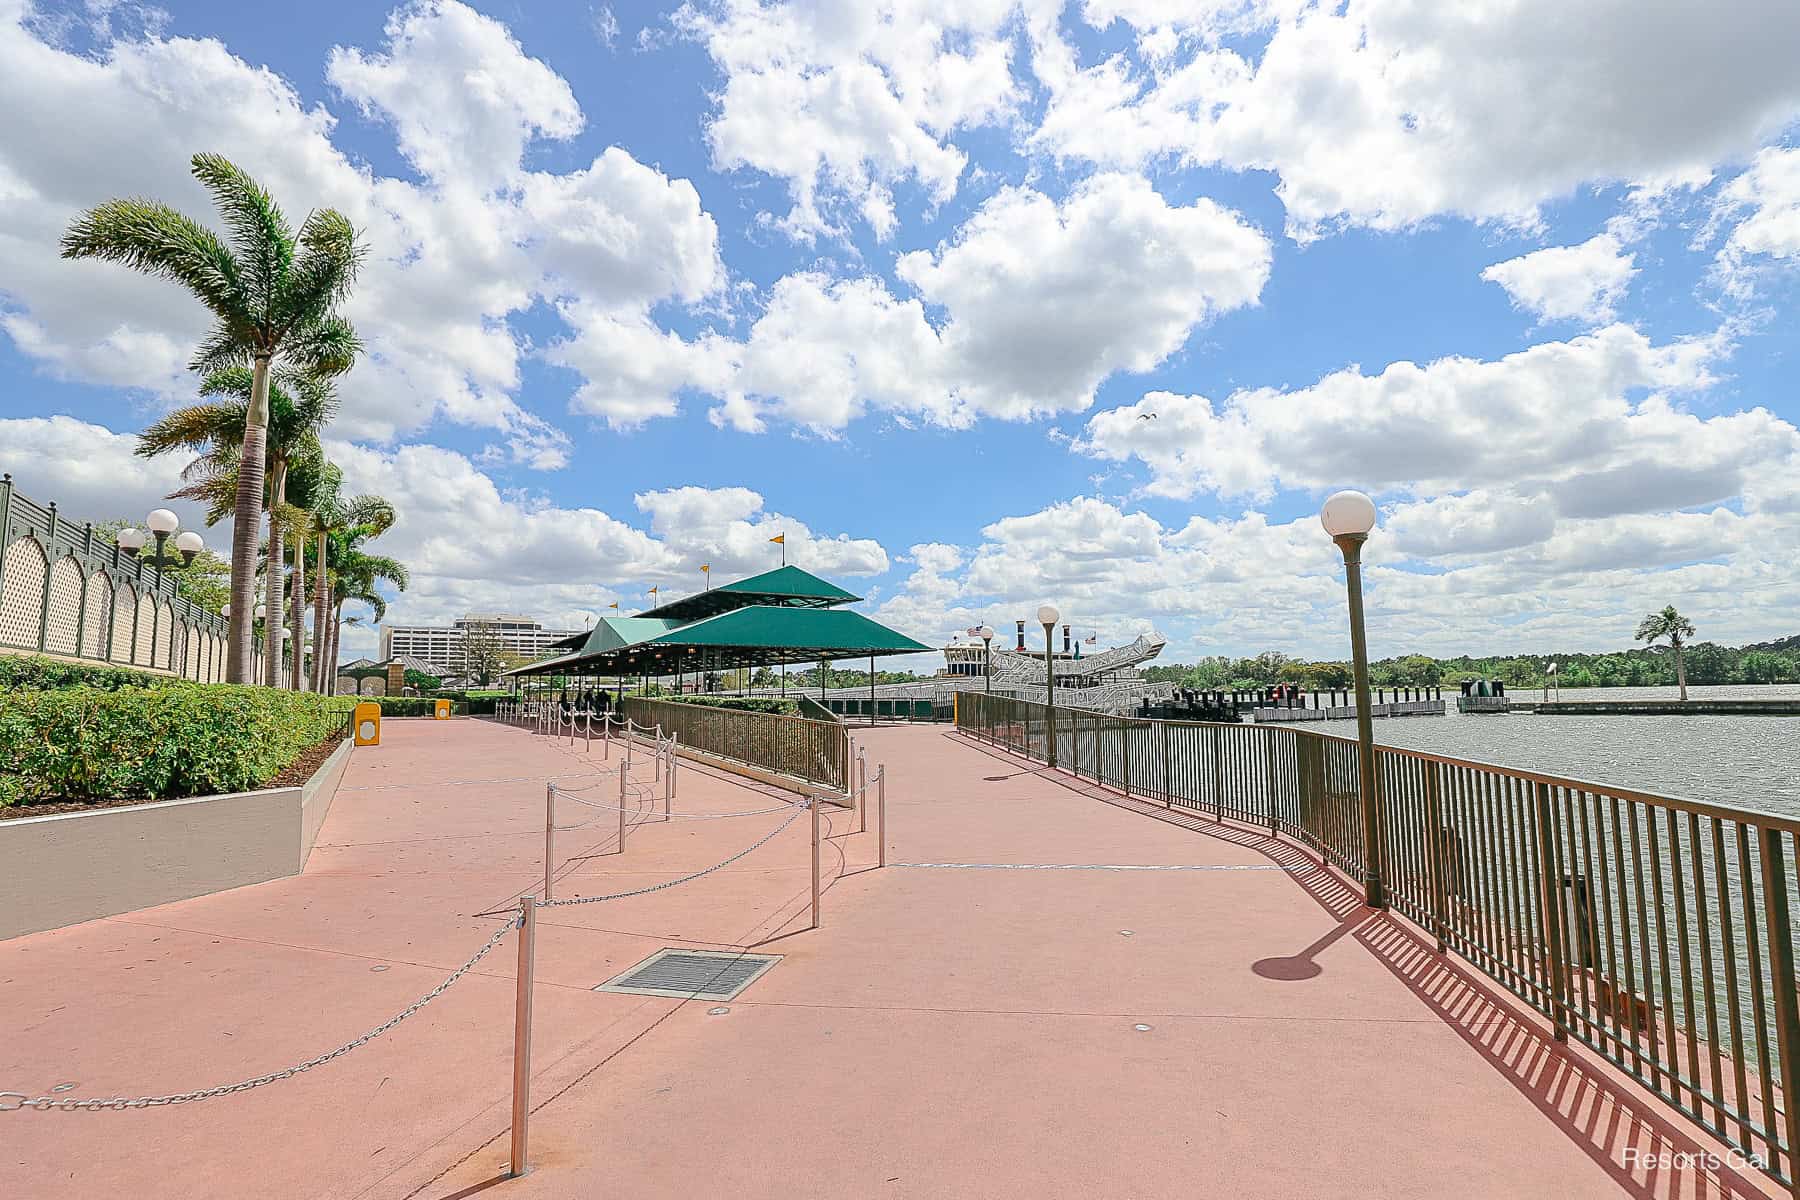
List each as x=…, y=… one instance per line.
x=324, y=347
x=225, y=345
x=154, y=238
x=260, y=235
x=193, y=427
x=331, y=254
x=373, y=513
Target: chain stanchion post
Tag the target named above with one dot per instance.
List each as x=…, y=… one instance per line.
x=815, y=861
x=624, y=774
x=549, y=835
x=862, y=792
x=589, y=722
x=521, y=1094
x=674, y=761
x=881, y=809
x=656, y=771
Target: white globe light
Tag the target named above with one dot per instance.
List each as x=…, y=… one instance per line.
x=1347, y=513
x=190, y=543
x=286, y=633
x=1047, y=614
x=131, y=539
x=987, y=633
x=162, y=521
x=225, y=609
x=262, y=610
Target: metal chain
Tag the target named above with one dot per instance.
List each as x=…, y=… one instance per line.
x=755, y=812
x=657, y=887
x=15, y=1101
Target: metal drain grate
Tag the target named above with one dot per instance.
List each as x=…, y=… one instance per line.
x=692, y=974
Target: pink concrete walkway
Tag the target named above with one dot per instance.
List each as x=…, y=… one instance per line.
x=1021, y=1024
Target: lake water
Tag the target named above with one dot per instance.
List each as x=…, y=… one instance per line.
x=1751, y=762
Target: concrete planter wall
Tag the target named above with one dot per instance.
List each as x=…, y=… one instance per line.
x=70, y=867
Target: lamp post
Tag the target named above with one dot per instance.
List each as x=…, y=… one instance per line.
x=986, y=634
x=162, y=525
x=1047, y=617
x=1348, y=517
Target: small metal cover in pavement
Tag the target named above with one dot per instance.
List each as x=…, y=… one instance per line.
x=692, y=974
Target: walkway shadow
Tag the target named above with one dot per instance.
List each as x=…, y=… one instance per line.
x=1601, y=1112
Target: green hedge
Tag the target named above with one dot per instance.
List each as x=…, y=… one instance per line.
x=157, y=743
x=475, y=704
x=36, y=673
x=762, y=704
x=409, y=706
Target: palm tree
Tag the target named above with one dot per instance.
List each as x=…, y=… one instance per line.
x=1678, y=629
x=340, y=526
x=274, y=295
x=354, y=576
x=299, y=407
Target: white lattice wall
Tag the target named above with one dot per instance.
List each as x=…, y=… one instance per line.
x=165, y=637
x=145, y=641
x=22, y=594
x=124, y=611
x=99, y=614
x=62, y=634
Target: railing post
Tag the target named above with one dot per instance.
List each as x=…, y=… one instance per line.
x=1781, y=974
x=1218, y=775
x=1434, y=849
x=1270, y=793
x=1125, y=727
x=549, y=835
x=1168, y=781
x=816, y=847
x=521, y=1097
x=1551, y=913
x=862, y=791
x=881, y=809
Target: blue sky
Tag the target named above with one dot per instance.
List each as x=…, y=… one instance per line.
x=981, y=303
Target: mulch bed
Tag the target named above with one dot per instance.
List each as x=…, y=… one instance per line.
x=295, y=774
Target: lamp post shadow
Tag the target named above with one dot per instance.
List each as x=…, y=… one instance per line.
x=1295, y=967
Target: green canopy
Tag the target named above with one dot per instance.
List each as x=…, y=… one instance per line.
x=782, y=616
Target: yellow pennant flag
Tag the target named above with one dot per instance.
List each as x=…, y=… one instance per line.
x=706, y=566
x=652, y=591
x=780, y=537
x=614, y=604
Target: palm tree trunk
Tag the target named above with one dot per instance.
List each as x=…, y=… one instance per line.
x=245, y=525
x=274, y=595
x=337, y=636
x=1680, y=671
x=324, y=674
x=297, y=623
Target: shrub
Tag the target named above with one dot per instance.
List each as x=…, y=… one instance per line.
x=409, y=706
x=762, y=704
x=35, y=673
x=157, y=743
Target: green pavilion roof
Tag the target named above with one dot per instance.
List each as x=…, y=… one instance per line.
x=782, y=616
x=784, y=586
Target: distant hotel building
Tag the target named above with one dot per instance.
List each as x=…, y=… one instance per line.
x=442, y=646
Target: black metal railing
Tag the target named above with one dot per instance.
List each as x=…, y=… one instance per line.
x=1656, y=931
x=815, y=751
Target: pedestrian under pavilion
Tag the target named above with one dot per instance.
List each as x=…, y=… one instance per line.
x=777, y=619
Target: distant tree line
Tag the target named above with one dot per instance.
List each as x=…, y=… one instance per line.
x=1706, y=662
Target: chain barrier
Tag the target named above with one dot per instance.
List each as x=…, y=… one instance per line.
x=755, y=812
x=658, y=887
x=15, y=1101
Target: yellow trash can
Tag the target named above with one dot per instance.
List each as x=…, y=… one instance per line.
x=441, y=710
x=368, y=724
